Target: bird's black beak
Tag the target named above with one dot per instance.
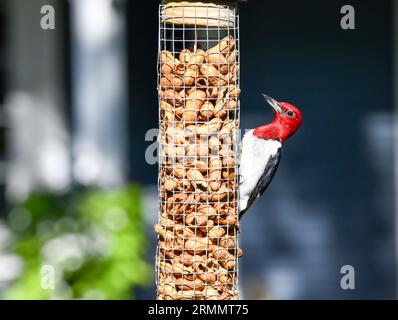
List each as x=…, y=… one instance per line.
x=273, y=103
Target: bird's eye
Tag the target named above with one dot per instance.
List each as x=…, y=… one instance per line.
x=290, y=113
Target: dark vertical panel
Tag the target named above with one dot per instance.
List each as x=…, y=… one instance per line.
x=330, y=204
x=66, y=49
x=2, y=95
x=142, y=49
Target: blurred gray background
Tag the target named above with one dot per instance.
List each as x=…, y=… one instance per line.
x=76, y=103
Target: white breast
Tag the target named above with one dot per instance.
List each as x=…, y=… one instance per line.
x=255, y=154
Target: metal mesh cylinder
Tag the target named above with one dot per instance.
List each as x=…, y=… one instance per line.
x=198, y=87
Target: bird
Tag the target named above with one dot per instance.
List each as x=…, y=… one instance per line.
x=260, y=151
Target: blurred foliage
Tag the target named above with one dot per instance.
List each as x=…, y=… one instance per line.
x=93, y=240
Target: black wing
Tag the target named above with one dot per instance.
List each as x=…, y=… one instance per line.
x=264, y=181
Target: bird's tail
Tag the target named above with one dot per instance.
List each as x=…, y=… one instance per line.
x=241, y=213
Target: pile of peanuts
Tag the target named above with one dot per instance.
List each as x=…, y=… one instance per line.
x=198, y=223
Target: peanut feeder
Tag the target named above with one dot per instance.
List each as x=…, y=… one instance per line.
x=198, y=89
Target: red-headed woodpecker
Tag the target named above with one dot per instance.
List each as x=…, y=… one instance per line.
x=261, y=151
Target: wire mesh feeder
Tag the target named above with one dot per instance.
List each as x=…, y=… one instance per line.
x=198, y=86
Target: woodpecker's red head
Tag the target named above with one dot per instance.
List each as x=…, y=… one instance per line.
x=286, y=122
